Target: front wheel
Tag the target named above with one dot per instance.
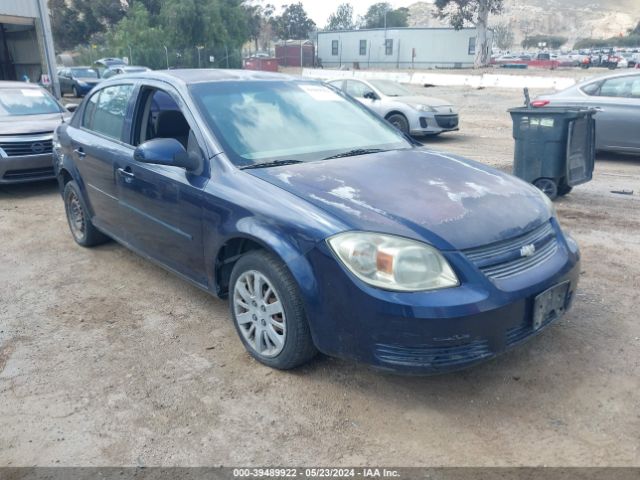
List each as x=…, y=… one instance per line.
x=400, y=122
x=267, y=311
x=75, y=92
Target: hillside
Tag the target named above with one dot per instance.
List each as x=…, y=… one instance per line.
x=570, y=18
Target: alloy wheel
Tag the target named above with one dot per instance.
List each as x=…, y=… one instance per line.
x=259, y=313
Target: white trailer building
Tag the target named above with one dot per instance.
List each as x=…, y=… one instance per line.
x=398, y=48
x=26, y=43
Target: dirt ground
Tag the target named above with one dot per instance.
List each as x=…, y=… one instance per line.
x=106, y=359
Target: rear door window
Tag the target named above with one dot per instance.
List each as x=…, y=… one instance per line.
x=106, y=111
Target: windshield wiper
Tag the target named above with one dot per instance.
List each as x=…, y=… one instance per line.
x=275, y=163
x=357, y=151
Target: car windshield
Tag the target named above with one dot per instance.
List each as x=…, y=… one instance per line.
x=267, y=121
x=391, y=89
x=27, y=101
x=84, y=73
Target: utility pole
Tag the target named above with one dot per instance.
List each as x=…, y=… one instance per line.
x=49, y=53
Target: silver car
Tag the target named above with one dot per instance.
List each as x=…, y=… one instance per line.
x=28, y=117
x=410, y=113
x=616, y=97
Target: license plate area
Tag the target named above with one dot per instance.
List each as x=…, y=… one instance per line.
x=550, y=305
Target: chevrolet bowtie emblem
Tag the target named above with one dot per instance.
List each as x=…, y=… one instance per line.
x=528, y=250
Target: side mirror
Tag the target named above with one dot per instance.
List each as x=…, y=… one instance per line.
x=167, y=151
x=370, y=95
x=72, y=107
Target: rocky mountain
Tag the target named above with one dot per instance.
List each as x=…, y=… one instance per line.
x=573, y=19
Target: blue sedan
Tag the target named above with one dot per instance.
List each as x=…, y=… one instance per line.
x=326, y=228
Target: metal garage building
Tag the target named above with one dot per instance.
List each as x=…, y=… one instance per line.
x=398, y=48
x=26, y=43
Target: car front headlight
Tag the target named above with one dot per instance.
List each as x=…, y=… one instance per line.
x=393, y=263
x=424, y=108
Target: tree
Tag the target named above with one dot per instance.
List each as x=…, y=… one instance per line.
x=135, y=36
x=635, y=31
x=293, y=23
x=342, y=19
x=382, y=15
x=503, y=36
x=66, y=27
x=471, y=12
x=259, y=22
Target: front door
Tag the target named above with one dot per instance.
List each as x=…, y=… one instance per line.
x=162, y=205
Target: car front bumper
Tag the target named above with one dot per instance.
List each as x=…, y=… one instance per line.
x=430, y=332
x=26, y=158
x=434, y=124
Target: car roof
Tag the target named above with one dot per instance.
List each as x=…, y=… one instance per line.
x=608, y=76
x=12, y=84
x=198, y=75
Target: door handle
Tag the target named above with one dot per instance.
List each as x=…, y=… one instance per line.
x=80, y=152
x=126, y=174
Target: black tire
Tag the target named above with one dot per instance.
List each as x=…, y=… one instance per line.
x=548, y=186
x=563, y=189
x=400, y=122
x=75, y=92
x=298, y=345
x=82, y=230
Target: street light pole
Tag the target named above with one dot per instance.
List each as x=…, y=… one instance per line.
x=166, y=53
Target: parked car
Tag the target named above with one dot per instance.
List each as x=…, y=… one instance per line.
x=617, y=99
x=78, y=81
x=325, y=227
x=105, y=63
x=119, y=69
x=410, y=113
x=28, y=116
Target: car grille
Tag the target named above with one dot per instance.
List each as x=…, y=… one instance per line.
x=26, y=147
x=447, y=121
x=29, y=174
x=505, y=259
x=433, y=356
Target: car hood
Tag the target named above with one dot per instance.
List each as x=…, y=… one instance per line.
x=445, y=200
x=25, y=124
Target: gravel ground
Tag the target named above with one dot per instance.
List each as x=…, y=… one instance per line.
x=106, y=359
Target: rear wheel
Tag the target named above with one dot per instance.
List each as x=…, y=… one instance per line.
x=399, y=121
x=564, y=189
x=548, y=186
x=268, y=313
x=83, y=231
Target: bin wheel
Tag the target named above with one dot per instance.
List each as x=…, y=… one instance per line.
x=548, y=187
x=563, y=189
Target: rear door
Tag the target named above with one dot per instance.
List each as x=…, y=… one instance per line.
x=99, y=151
x=618, y=119
x=162, y=205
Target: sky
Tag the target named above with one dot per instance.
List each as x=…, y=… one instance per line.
x=319, y=10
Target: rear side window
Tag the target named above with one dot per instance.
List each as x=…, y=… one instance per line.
x=620, y=87
x=106, y=110
x=592, y=88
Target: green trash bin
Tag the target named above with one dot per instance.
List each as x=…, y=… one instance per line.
x=555, y=147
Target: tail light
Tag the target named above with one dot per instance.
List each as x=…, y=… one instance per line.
x=540, y=103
